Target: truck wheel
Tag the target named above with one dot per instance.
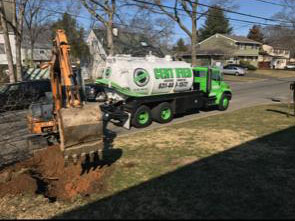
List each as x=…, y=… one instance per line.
x=223, y=103
x=162, y=113
x=142, y=117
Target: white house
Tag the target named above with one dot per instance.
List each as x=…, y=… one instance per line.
x=42, y=52
x=273, y=57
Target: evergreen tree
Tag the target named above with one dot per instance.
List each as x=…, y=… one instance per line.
x=255, y=34
x=75, y=35
x=180, y=46
x=216, y=22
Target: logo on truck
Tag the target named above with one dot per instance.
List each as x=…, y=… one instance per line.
x=167, y=73
x=141, y=77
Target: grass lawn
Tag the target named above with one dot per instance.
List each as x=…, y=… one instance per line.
x=275, y=73
x=233, y=165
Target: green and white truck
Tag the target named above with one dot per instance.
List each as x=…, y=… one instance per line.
x=141, y=90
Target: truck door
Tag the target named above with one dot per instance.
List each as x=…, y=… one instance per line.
x=216, y=82
x=200, y=81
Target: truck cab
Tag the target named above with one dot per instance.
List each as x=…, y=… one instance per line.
x=210, y=81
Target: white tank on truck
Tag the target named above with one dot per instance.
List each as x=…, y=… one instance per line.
x=149, y=75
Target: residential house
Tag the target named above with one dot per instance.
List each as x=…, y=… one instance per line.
x=125, y=43
x=42, y=47
x=225, y=49
x=42, y=51
x=273, y=57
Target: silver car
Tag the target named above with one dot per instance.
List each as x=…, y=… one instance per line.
x=234, y=70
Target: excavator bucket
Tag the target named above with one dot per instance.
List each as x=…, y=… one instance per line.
x=81, y=131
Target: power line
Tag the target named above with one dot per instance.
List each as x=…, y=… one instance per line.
x=272, y=3
x=240, y=13
x=200, y=13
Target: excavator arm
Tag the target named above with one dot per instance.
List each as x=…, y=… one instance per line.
x=79, y=125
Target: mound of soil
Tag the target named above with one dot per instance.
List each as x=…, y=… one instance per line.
x=46, y=174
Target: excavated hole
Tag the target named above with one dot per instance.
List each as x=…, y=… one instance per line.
x=42, y=186
x=45, y=174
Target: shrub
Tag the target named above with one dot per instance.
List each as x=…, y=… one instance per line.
x=246, y=64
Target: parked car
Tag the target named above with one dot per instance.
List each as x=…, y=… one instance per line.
x=290, y=66
x=234, y=69
x=20, y=95
x=94, y=92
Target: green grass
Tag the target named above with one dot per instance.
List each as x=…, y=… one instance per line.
x=233, y=165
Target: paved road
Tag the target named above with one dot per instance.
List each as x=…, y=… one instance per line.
x=244, y=95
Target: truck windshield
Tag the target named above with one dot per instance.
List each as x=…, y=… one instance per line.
x=216, y=75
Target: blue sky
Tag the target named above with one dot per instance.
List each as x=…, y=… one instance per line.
x=252, y=7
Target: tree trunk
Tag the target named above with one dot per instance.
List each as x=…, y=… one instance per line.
x=194, y=48
x=7, y=44
x=32, y=53
x=194, y=35
x=18, y=43
x=110, y=38
x=19, y=30
x=18, y=58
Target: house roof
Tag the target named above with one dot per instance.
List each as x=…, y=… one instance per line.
x=277, y=45
x=136, y=44
x=241, y=39
x=209, y=52
x=235, y=38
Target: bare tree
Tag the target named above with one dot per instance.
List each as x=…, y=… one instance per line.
x=193, y=11
x=282, y=35
x=18, y=21
x=7, y=43
x=36, y=19
x=104, y=12
x=190, y=8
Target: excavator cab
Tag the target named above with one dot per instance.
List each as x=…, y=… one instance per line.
x=77, y=125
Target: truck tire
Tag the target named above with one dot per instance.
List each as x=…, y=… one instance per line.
x=223, y=103
x=142, y=117
x=162, y=113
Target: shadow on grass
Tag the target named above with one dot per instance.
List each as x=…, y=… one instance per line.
x=281, y=112
x=253, y=180
x=108, y=156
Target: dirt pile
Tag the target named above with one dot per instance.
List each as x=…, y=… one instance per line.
x=46, y=174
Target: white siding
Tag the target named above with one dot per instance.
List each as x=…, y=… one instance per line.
x=3, y=59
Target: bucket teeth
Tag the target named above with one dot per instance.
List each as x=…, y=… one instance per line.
x=91, y=156
x=75, y=159
x=66, y=161
x=83, y=157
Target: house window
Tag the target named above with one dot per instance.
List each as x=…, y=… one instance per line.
x=42, y=52
x=2, y=49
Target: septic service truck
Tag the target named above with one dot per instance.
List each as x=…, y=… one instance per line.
x=141, y=90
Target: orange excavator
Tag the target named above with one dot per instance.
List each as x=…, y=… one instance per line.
x=76, y=125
